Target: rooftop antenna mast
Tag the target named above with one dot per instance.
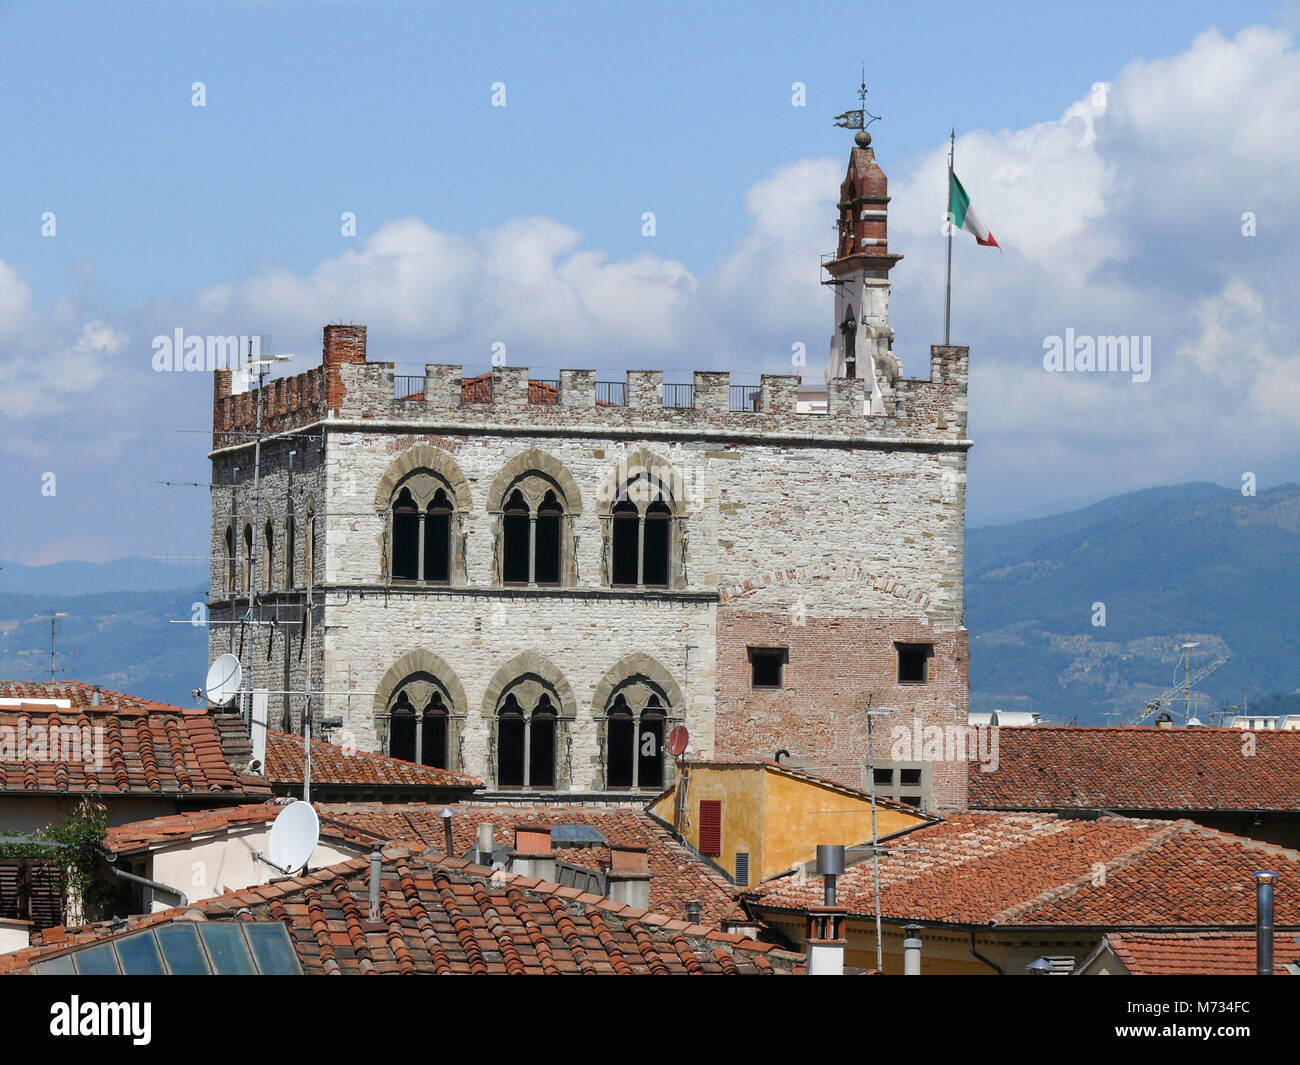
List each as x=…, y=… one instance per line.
x=53, y=619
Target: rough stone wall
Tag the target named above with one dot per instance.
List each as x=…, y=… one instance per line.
x=831, y=535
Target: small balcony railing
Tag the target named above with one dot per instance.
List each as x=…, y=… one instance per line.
x=405, y=387
x=611, y=393
x=745, y=397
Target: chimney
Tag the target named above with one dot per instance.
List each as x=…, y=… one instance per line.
x=627, y=880
x=376, y=867
x=693, y=911
x=824, y=935
x=534, y=855
x=483, y=849
x=830, y=864
x=446, y=815
x=1264, y=923
x=95, y=696
x=912, y=950
x=343, y=344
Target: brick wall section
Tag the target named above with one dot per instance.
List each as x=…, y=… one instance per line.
x=834, y=665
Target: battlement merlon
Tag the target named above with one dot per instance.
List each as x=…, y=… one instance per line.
x=347, y=387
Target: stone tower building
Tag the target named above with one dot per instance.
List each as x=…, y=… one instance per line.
x=535, y=581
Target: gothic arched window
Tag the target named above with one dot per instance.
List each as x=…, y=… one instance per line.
x=533, y=548
x=248, y=558
x=516, y=549
x=268, y=556
x=418, y=723
x=635, y=723
x=290, y=551
x=644, y=537
x=421, y=537
x=527, y=732
x=230, y=560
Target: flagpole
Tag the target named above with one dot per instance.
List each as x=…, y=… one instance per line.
x=947, y=297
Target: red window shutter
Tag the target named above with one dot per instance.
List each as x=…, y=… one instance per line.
x=711, y=827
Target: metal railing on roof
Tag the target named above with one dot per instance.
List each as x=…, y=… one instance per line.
x=611, y=393
x=745, y=397
x=408, y=387
x=680, y=396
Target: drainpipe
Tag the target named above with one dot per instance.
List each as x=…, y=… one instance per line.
x=156, y=885
x=1264, y=923
x=980, y=957
x=912, y=950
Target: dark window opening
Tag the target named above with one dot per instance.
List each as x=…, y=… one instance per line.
x=909, y=777
x=268, y=556
x=510, y=745
x=248, y=556
x=401, y=730
x=230, y=560
x=914, y=662
x=658, y=519
x=621, y=743
x=406, y=538
x=883, y=777
x=514, y=541
x=289, y=552
x=650, y=748
x=541, y=755
x=546, y=566
x=437, y=540
x=626, y=522
x=434, y=735
x=911, y=800
x=767, y=667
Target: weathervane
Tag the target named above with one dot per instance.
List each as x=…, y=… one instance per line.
x=858, y=119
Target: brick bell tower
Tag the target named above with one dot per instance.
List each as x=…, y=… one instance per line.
x=862, y=341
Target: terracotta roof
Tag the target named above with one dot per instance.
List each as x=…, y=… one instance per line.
x=678, y=875
x=342, y=767
x=1140, y=769
x=444, y=915
x=1025, y=870
x=78, y=693
x=1198, y=953
x=141, y=835
x=479, y=390
x=123, y=746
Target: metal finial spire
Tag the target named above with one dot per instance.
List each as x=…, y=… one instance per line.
x=859, y=119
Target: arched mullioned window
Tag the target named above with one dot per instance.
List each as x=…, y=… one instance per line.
x=419, y=715
x=309, y=547
x=644, y=547
x=526, y=738
x=248, y=559
x=636, y=719
x=534, y=537
x=421, y=530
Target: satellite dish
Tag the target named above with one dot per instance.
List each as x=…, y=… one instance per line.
x=294, y=836
x=223, y=680
x=677, y=741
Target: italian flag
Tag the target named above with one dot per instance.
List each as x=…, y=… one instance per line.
x=962, y=215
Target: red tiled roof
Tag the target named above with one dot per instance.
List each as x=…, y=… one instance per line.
x=677, y=875
x=479, y=390
x=340, y=766
x=76, y=692
x=1035, y=870
x=444, y=915
x=1198, y=953
x=1146, y=769
x=123, y=746
x=140, y=835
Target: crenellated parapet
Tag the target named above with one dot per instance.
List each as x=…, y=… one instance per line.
x=346, y=387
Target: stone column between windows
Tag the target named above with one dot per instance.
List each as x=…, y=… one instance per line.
x=419, y=554
x=636, y=748
x=640, y=551
x=528, y=748
x=419, y=738
x=532, y=550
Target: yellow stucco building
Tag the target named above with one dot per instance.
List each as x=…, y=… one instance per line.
x=757, y=819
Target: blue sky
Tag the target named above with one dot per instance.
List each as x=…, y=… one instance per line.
x=228, y=216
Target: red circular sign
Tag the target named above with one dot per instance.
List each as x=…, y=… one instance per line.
x=677, y=741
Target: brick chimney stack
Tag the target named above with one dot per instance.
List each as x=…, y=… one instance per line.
x=342, y=345
x=534, y=853
x=628, y=877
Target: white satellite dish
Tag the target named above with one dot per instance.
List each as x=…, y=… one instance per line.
x=223, y=680
x=294, y=836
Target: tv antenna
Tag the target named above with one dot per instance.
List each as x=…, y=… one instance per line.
x=53, y=621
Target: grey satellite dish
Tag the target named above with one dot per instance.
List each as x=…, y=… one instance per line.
x=223, y=680
x=294, y=836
